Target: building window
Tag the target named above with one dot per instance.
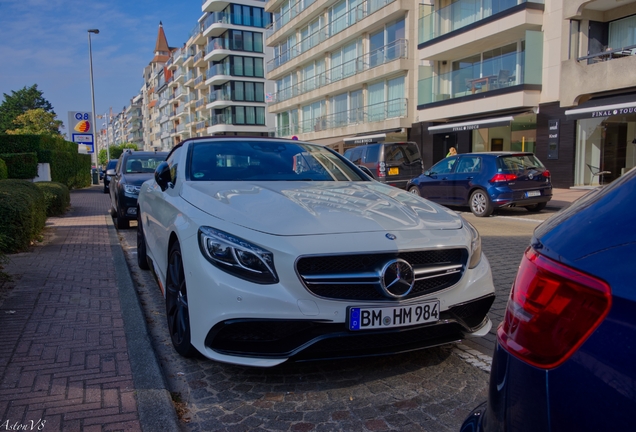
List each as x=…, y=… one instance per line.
x=575, y=28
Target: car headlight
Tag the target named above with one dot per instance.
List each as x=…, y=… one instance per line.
x=475, y=246
x=132, y=189
x=237, y=256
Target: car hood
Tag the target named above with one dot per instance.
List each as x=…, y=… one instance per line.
x=310, y=208
x=136, y=179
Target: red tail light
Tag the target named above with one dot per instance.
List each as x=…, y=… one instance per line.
x=551, y=311
x=380, y=173
x=546, y=174
x=503, y=178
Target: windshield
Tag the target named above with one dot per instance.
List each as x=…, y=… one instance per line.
x=268, y=161
x=143, y=164
x=518, y=163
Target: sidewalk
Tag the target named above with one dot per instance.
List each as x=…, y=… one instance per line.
x=562, y=198
x=76, y=354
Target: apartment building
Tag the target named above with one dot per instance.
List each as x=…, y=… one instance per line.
x=530, y=75
x=345, y=70
x=229, y=86
x=134, y=129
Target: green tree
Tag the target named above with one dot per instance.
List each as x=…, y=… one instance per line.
x=115, y=151
x=36, y=122
x=19, y=102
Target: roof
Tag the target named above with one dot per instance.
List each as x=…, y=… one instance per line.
x=162, y=50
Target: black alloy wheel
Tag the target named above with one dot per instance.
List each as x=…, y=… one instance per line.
x=122, y=222
x=142, y=257
x=177, y=304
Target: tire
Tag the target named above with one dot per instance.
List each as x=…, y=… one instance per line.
x=122, y=222
x=177, y=311
x=537, y=207
x=112, y=212
x=480, y=204
x=142, y=256
x=414, y=190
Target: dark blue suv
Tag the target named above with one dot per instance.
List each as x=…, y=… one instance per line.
x=564, y=358
x=486, y=181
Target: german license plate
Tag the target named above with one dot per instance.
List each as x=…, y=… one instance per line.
x=533, y=193
x=394, y=171
x=396, y=316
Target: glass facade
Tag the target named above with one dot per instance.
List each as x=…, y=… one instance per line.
x=604, y=144
x=521, y=135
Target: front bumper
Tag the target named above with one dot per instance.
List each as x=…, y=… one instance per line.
x=303, y=340
x=127, y=206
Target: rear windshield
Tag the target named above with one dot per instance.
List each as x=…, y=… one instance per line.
x=401, y=153
x=518, y=163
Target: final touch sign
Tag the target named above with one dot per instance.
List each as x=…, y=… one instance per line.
x=80, y=123
x=608, y=113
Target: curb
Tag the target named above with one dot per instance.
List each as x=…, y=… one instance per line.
x=154, y=404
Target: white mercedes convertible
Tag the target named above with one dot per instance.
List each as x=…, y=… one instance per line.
x=270, y=250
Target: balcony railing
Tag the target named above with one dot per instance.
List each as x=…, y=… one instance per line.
x=198, y=80
x=214, y=18
x=341, y=23
x=189, y=75
x=218, y=95
x=609, y=54
x=216, y=44
x=202, y=124
x=388, y=53
x=493, y=74
x=199, y=56
x=218, y=69
x=198, y=28
x=288, y=15
x=396, y=108
x=435, y=23
x=201, y=102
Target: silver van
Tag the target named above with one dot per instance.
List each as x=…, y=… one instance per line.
x=393, y=163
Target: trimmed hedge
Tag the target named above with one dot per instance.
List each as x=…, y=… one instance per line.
x=67, y=165
x=3, y=170
x=56, y=197
x=21, y=165
x=22, y=213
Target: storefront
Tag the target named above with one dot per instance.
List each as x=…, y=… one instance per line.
x=509, y=133
x=605, y=142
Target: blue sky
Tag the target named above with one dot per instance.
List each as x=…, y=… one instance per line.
x=45, y=42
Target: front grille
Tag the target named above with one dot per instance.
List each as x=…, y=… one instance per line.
x=357, y=277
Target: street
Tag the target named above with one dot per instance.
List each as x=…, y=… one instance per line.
x=431, y=390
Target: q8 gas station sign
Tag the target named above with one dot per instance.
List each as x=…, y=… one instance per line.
x=80, y=125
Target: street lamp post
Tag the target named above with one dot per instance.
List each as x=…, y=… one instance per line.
x=90, y=56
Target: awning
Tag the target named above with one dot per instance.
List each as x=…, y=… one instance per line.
x=364, y=139
x=470, y=125
x=601, y=111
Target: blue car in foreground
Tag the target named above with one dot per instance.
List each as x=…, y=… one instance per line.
x=486, y=181
x=564, y=358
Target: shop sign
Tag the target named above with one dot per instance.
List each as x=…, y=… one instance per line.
x=613, y=112
x=553, y=139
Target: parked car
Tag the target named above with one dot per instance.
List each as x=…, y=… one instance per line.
x=112, y=164
x=393, y=163
x=486, y=181
x=132, y=169
x=270, y=249
x=564, y=356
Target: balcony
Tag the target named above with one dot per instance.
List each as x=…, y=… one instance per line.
x=218, y=20
x=590, y=74
x=202, y=124
x=216, y=49
x=178, y=75
x=461, y=14
x=393, y=109
x=495, y=74
x=198, y=58
x=217, y=71
x=199, y=81
x=338, y=25
x=285, y=17
x=218, y=96
x=388, y=53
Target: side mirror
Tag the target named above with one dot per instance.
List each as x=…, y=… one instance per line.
x=427, y=173
x=162, y=176
x=110, y=172
x=366, y=170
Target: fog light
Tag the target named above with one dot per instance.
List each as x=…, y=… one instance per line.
x=132, y=211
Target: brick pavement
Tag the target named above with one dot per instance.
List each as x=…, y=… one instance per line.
x=65, y=360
